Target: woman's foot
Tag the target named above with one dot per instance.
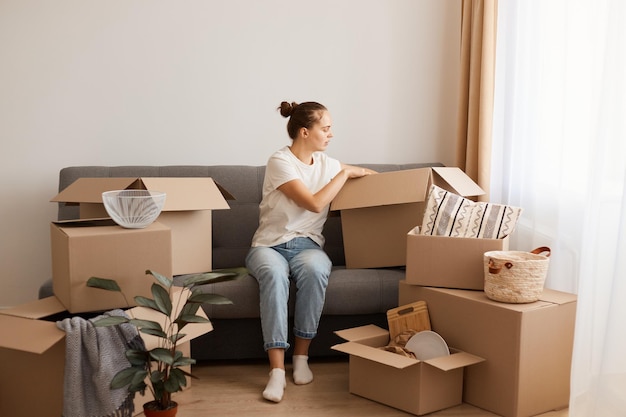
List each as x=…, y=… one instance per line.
x=276, y=386
x=301, y=372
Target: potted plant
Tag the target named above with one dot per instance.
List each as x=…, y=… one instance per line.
x=164, y=364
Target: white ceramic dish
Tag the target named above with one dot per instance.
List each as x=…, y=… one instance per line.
x=427, y=345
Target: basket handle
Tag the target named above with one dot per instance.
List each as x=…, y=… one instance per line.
x=542, y=249
x=493, y=269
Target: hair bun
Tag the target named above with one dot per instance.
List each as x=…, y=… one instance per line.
x=287, y=109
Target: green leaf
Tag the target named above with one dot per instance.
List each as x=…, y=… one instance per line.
x=162, y=355
x=154, y=332
x=138, y=383
x=156, y=377
x=146, y=324
x=176, y=337
x=193, y=319
x=110, y=321
x=162, y=299
x=209, y=299
x=184, y=362
x=146, y=302
x=137, y=357
x=126, y=376
x=189, y=308
x=187, y=373
x=213, y=277
x=104, y=284
x=176, y=381
x=185, y=319
x=162, y=279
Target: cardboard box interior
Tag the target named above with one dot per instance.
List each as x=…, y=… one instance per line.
x=377, y=211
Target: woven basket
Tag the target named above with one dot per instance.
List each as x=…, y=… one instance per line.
x=515, y=276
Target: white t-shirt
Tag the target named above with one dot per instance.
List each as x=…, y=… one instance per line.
x=281, y=219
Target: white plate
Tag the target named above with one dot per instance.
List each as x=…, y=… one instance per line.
x=427, y=345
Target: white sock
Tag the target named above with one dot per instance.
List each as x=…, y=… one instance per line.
x=276, y=385
x=301, y=372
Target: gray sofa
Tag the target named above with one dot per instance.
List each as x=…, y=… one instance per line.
x=354, y=296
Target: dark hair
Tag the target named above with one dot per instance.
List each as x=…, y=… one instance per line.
x=301, y=115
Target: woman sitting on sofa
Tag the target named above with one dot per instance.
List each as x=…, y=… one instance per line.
x=300, y=182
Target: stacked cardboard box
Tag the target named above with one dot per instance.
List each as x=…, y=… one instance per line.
x=526, y=348
x=179, y=242
x=187, y=211
x=377, y=211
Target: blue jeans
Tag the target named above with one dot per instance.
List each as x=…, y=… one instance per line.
x=303, y=261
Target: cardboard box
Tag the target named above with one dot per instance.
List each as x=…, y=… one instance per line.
x=377, y=211
x=451, y=262
x=82, y=249
x=187, y=211
x=411, y=385
x=527, y=347
x=33, y=357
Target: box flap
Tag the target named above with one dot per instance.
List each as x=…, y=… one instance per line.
x=28, y=334
x=386, y=188
x=189, y=193
x=369, y=334
x=89, y=190
x=36, y=309
x=185, y=193
x=455, y=360
x=375, y=354
x=453, y=179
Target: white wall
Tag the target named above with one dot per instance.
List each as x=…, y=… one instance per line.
x=197, y=82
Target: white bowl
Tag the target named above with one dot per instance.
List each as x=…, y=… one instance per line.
x=133, y=209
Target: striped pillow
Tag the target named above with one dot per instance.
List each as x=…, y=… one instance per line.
x=448, y=214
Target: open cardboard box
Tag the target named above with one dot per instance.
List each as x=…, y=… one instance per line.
x=33, y=357
x=527, y=347
x=82, y=249
x=411, y=385
x=187, y=211
x=451, y=262
x=377, y=211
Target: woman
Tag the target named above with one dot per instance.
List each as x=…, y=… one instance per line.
x=300, y=182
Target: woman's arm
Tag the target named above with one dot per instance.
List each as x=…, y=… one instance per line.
x=303, y=197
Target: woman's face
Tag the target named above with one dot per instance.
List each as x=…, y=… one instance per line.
x=319, y=135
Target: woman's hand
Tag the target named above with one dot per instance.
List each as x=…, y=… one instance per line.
x=302, y=196
x=355, y=171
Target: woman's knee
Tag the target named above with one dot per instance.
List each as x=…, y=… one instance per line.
x=264, y=262
x=312, y=262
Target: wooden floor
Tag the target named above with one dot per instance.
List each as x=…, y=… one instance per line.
x=234, y=389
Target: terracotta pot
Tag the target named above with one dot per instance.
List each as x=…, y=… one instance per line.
x=149, y=410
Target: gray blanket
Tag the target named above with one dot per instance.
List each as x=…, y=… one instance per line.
x=93, y=356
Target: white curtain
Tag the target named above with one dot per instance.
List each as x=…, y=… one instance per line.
x=559, y=152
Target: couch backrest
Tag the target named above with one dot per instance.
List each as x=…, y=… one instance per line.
x=232, y=229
